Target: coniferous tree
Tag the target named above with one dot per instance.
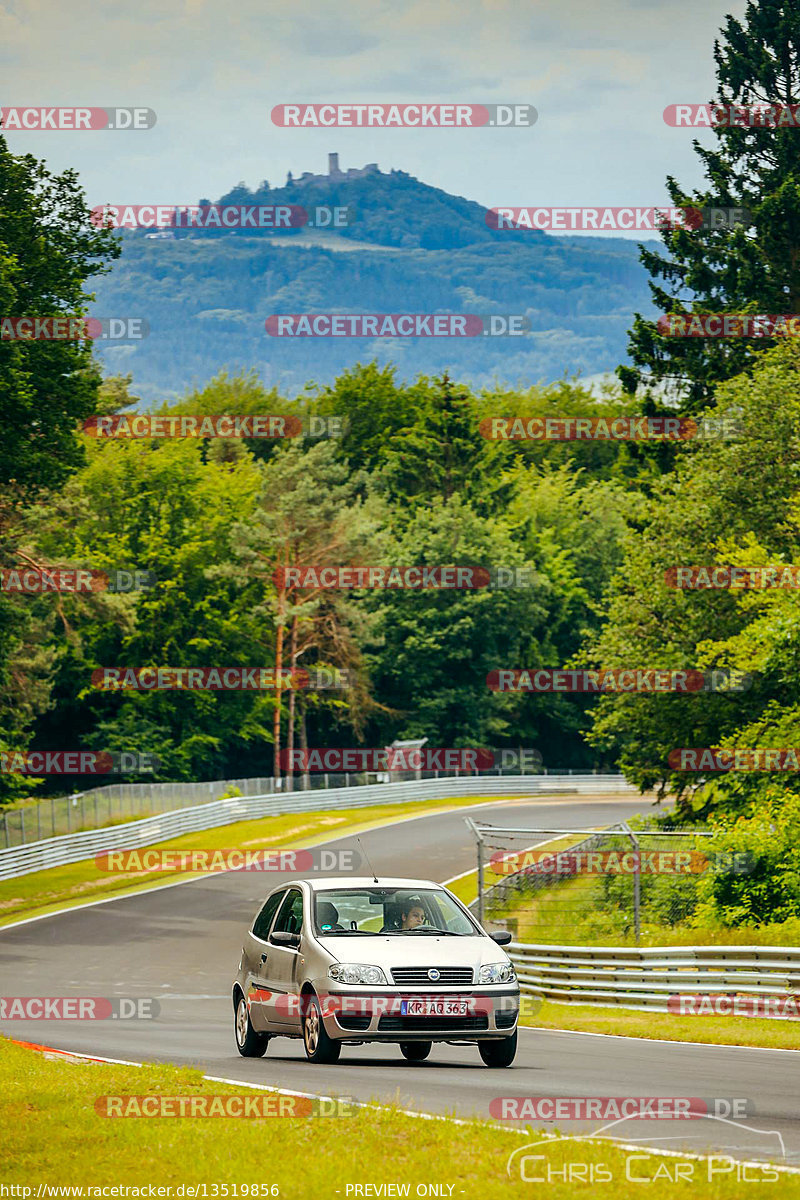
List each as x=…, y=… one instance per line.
x=747, y=268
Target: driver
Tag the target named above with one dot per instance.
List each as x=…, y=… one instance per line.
x=412, y=914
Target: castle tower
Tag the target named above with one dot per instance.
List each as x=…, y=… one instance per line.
x=333, y=165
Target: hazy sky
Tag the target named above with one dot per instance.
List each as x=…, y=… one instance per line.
x=600, y=76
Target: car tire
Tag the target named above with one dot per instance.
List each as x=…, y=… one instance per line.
x=318, y=1046
x=249, y=1043
x=415, y=1051
x=500, y=1053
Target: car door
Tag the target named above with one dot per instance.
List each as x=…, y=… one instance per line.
x=281, y=1009
x=256, y=951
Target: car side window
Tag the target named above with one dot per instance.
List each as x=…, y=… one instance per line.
x=290, y=917
x=264, y=918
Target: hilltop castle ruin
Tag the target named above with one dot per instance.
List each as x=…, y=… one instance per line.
x=334, y=174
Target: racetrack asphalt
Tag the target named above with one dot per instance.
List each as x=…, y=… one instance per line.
x=181, y=944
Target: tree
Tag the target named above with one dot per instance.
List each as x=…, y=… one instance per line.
x=728, y=503
x=308, y=514
x=741, y=269
x=48, y=249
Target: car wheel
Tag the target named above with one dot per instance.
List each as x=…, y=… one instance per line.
x=249, y=1043
x=319, y=1047
x=499, y=1053
x=416, y=1051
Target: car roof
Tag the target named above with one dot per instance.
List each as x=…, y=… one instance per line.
x=368, y=881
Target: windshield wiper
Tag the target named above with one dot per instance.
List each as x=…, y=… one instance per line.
x=347, y=933
x=429, y=929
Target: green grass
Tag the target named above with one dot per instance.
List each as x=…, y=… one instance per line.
x=716, y=1030
x=574, y=912
x=53, y=1135
x=48, y=891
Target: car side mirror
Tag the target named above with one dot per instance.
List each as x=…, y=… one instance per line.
x=501, y=936
x=281, y=938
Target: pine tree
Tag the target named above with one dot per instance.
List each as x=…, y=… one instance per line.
x=753, y=268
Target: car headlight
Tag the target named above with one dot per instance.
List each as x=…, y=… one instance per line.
x=501, y=972
x=355, y=973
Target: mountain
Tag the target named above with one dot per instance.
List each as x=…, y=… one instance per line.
x=409, y=248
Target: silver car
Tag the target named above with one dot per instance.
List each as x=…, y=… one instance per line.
x=342, y=961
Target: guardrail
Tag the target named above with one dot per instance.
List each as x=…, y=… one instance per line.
x=645, y=978
x=52, y=816
x=59, y=851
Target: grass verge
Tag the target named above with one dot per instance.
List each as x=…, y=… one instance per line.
x=54, y=1136
x=48, y=891
x=716, y=1030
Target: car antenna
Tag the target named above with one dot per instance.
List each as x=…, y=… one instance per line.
x=369, y=864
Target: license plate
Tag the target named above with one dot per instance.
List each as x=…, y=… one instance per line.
x=433, y=1008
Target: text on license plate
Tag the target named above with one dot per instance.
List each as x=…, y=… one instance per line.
x=433, y=1008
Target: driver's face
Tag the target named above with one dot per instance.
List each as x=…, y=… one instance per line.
x=414, y=917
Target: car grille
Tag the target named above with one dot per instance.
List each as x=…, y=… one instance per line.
x=418, y=976
x=389, y=1024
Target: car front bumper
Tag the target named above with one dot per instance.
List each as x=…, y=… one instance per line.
x=377, y=1015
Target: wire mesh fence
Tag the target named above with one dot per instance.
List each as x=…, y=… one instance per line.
x=593, y=886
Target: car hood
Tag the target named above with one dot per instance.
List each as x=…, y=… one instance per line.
x=415, y=950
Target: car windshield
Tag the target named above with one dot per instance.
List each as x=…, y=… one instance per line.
x=401, y=912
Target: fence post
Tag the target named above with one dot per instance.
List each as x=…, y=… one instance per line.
x=326, y=779
x=39, y=821
x=637, y=880
x=96, y=817
x=5, y=828
x=52, y=816
x=22, y=823
x=479, y=849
